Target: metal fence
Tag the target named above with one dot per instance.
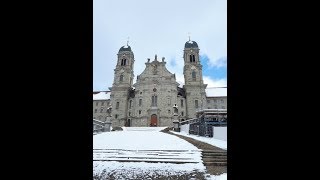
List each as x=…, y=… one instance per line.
x=205, y=121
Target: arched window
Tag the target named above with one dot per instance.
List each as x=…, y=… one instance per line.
x=192, y=58
x=196, y=104
x=121, y=78
x=123, y=62
x=193, y=75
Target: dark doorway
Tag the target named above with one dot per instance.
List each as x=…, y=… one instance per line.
x=128, y=123
x=154, y=120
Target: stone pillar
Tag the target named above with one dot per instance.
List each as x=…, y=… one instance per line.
x=107, y=124
x=175, y=119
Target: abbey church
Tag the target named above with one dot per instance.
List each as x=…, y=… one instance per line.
x=150, y=100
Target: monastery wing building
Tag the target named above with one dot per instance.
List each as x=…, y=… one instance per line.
x=150, y=101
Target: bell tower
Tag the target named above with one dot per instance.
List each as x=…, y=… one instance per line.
x=194, y=87
x=122, y=83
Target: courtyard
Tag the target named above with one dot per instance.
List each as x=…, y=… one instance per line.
x=147, y=153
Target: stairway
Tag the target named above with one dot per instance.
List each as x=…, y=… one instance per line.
x=214, y=158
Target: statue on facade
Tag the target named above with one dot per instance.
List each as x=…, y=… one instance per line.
x=175, y=109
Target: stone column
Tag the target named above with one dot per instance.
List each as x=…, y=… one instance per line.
x=175, y=119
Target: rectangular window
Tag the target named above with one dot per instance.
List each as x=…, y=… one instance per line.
x=215, y=101
x=221, y=100
x=130, y=104
x=129, y=113
x=182, y=113
x=169, y=101
x=97, y=103
x=139, y=112
x=196, y=104
x=223, y=107
x=102, y=103
x=140, y=102
x=116, y=116
x=181, y=102
x=95, y=111
x=154, y=101
x=117, y=106
x=193, y=75
x=101, y=110
x=208, y=101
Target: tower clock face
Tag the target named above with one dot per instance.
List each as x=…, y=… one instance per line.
x=121, y=71
x=193, y=68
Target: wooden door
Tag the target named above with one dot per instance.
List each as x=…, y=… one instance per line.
x=154, y=120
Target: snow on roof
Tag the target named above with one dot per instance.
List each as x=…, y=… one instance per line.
x=216, y=92
x=102, y=95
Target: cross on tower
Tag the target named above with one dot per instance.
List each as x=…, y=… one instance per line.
x=128, y=41
x=189, y=35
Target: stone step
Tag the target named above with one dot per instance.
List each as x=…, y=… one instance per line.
x=215, y=163
x=147, y=161
x=214, y=157
x=214, y=151
x=214, y=154
x=213, y=160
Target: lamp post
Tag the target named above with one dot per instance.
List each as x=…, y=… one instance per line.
x=175, y=118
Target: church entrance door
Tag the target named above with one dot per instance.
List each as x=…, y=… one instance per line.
x=154, y=120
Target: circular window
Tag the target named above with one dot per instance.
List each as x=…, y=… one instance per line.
x=154, y=90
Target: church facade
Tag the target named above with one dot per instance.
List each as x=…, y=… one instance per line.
x=150, y=101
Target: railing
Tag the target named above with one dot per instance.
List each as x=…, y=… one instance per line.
x=96, y=131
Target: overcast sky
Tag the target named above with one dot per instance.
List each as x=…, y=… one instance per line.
x=159, y=27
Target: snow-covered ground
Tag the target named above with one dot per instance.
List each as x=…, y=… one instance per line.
x=153, y=153
x=140, y=140
x=215, y=142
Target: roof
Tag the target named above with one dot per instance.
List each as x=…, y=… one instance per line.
x=101, y=95
x=216, y=92
x=191, y=44
x=125, y=48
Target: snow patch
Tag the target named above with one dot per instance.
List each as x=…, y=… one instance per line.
x=218, y=177
x=101, y=95
x=130, y=169
x=215, y=142
x=136, y=140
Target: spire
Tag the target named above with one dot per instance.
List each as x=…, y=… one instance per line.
x=189, y=36
x=128, y=41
